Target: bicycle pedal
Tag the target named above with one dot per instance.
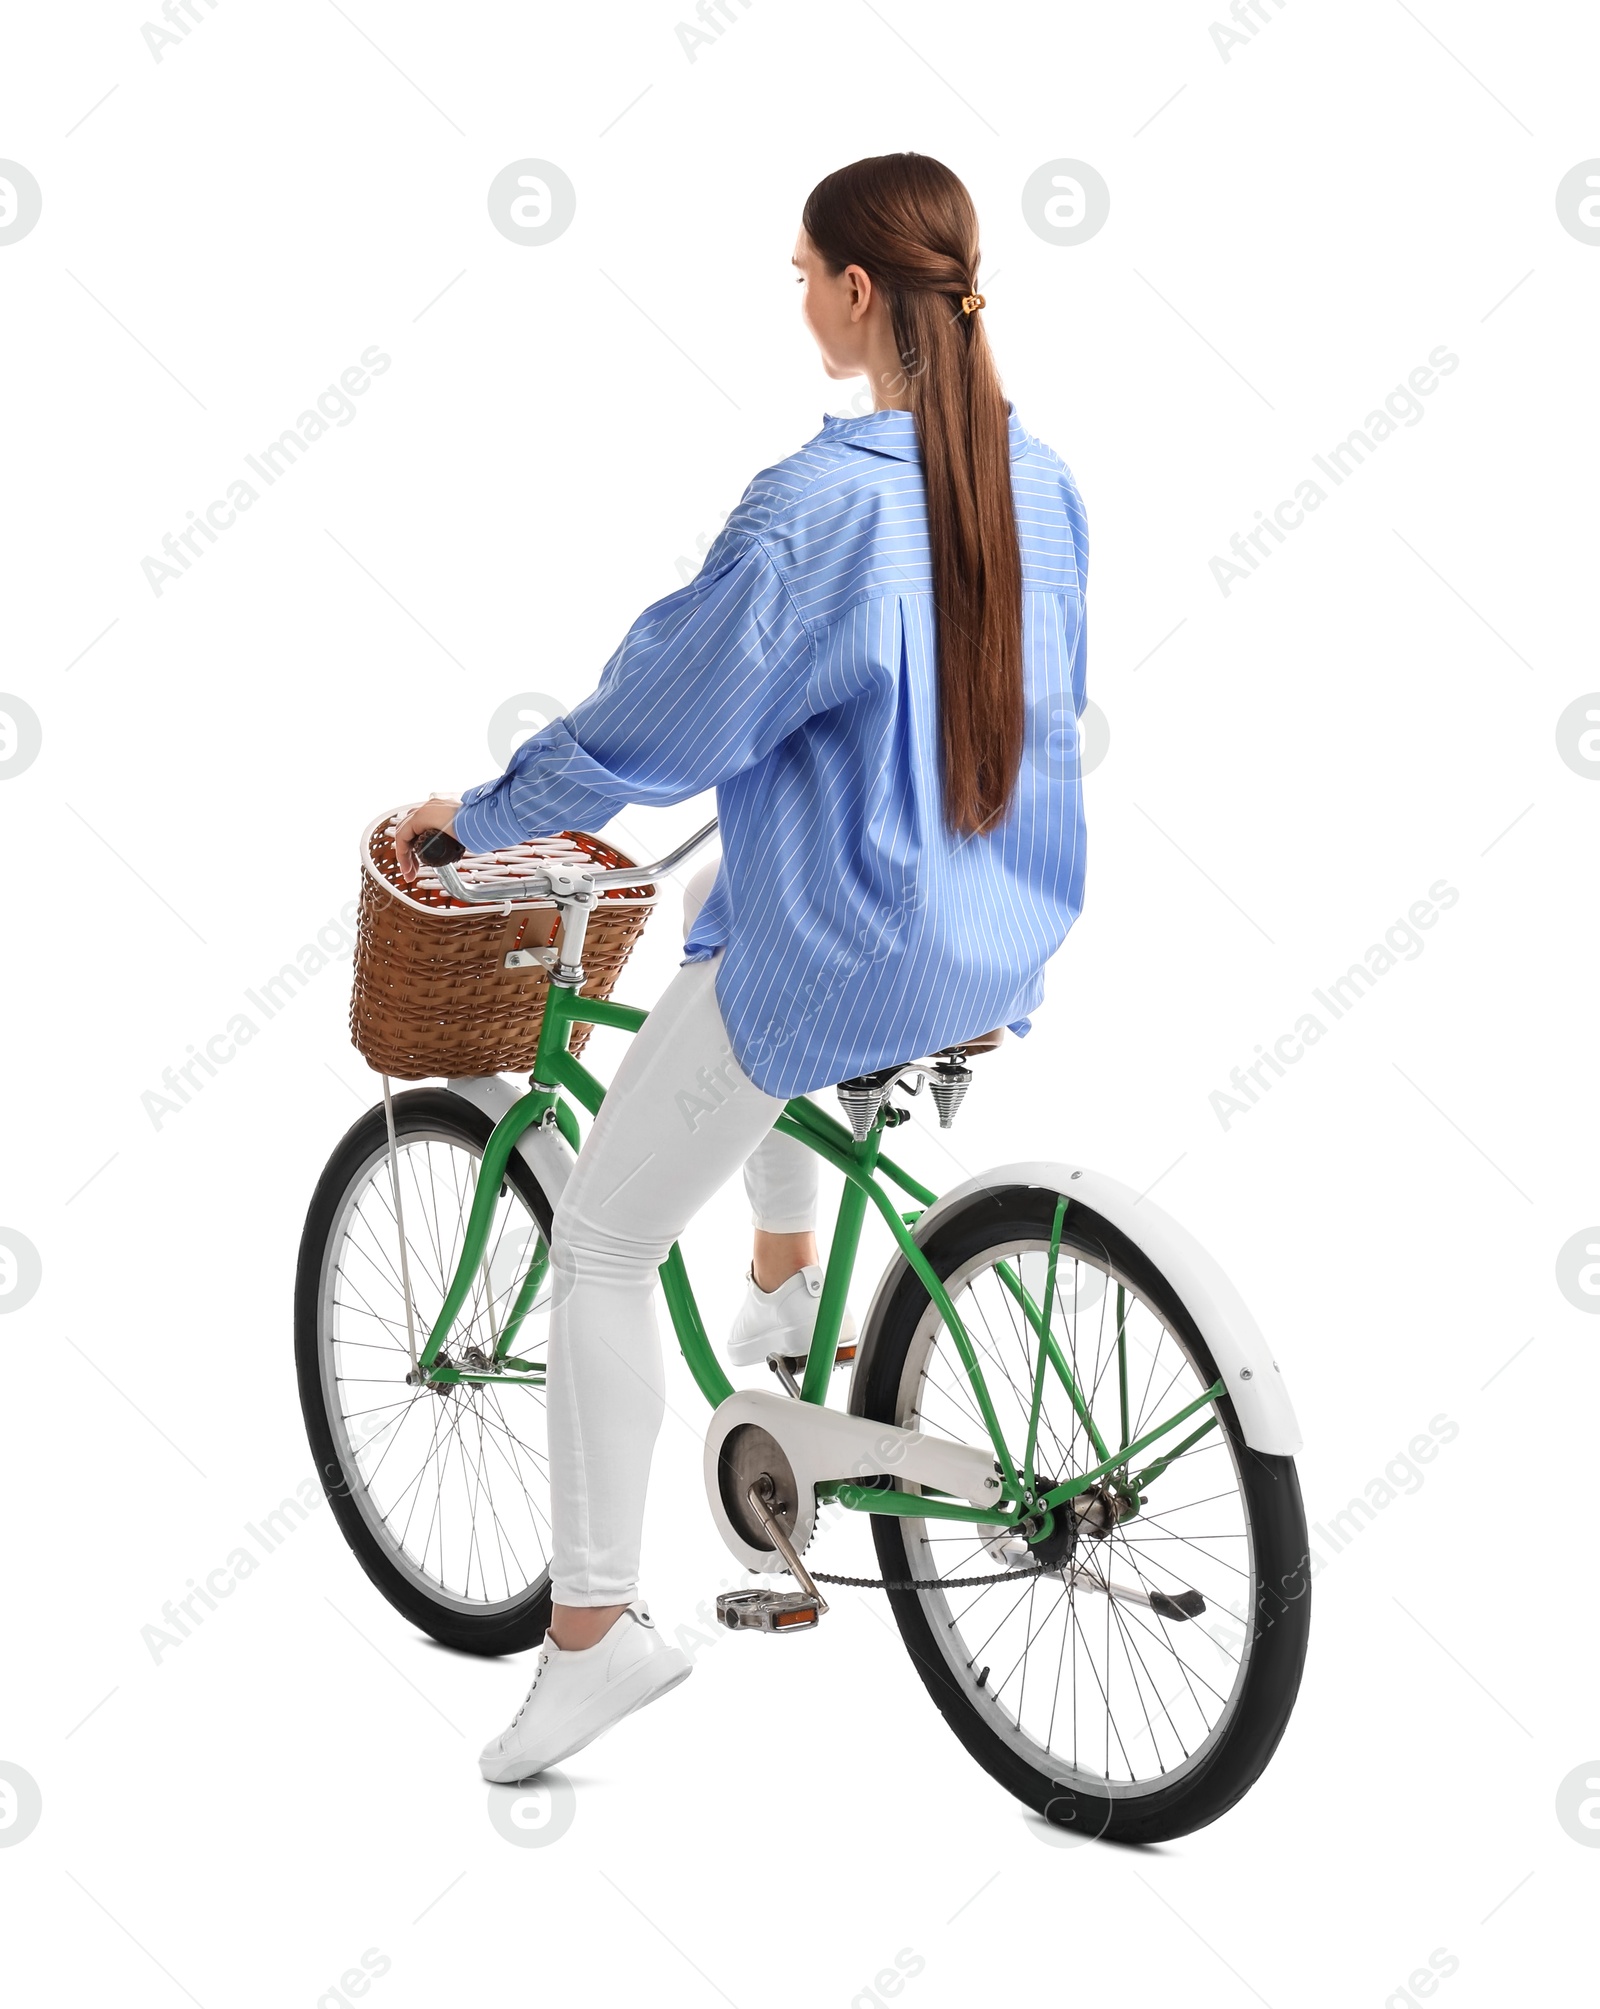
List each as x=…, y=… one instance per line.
x=768, y=1610
x=796, y=1362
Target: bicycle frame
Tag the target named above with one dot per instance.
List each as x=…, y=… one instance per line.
x=866, y=1170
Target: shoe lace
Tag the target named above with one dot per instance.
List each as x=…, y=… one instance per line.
x=538, y=1668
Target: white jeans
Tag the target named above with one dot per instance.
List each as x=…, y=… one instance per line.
x=681, y=1116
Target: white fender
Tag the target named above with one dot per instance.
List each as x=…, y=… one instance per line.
x=827, y=1444
x=546, y=1152
x=1244, y=1360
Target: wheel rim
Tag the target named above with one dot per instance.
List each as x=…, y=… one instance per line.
x=1108, y=1697
x=453, y=1482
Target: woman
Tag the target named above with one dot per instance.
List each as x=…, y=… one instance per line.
x=877, y=667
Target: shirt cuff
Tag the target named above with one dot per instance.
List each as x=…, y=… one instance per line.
x=482, y=824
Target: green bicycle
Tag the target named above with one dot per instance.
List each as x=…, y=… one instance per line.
x=1072, y=1440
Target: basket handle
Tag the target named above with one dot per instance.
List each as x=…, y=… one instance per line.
x=542, y=885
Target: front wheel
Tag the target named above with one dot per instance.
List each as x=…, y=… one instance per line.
x=1135, y=1681
x=442, y=1491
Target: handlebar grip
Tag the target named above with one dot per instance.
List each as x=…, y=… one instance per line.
x=440, y=848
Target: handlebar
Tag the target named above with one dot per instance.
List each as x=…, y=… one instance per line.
x=440, y=848
x=561, y=884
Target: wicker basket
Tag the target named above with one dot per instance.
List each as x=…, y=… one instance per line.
x=432, y=993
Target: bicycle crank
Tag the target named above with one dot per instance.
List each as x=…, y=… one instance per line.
x=801, y=1445
x=772, y=1610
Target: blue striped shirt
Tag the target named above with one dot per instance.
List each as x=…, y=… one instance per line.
x=797, y=675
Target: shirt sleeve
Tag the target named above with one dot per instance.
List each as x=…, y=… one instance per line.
x=705, y=684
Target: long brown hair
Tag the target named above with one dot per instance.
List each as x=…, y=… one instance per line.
x=910, y=224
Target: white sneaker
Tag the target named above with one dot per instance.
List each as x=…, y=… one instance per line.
x=577, y=1696
x=781, y=1321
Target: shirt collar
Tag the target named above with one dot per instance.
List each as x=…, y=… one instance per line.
x=894, y=433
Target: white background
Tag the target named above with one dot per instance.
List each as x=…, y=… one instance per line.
x=1292, y=231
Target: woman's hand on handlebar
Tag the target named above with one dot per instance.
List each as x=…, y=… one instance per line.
x=438, y=813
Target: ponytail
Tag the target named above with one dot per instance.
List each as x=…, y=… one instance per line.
x=910, y=224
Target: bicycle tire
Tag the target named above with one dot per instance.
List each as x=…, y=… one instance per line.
x=1280, y=1599
x=511, y=1626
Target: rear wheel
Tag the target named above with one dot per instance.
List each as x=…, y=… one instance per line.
x=1136, y=1681
x=442, y=1492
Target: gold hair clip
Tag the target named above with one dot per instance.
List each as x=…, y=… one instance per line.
x=971, y=302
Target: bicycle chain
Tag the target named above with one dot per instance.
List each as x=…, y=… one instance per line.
x=929, y=1583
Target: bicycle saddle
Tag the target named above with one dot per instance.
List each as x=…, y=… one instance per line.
x=986, y=1042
